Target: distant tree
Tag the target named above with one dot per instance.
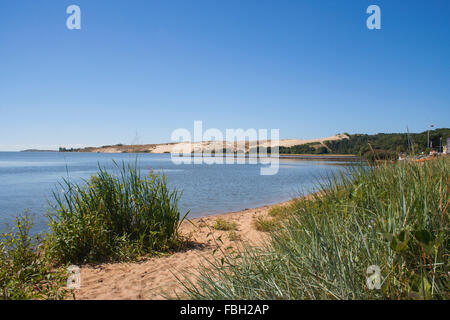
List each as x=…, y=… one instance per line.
x=385, y=145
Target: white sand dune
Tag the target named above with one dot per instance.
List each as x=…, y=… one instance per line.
x=205, y=146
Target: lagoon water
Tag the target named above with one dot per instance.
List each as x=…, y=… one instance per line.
x=27, y=180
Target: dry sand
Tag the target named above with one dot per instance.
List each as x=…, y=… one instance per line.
x=207, y=146
x=153, y=278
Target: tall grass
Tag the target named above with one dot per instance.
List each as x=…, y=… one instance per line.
x=113, y=217
x=24, y=272
x=392, y=216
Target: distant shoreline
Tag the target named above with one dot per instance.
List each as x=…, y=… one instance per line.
x=330, y=157
x=348, y=157
x=36, y=150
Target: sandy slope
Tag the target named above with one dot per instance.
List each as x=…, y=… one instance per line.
x=185, y=147
x=154, y=278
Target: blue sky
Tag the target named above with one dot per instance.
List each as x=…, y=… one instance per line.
x=137, y=70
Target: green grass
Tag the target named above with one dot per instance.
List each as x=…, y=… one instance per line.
x=266, y=224
x=392, y=216
x=281, y=212
x=223, y=225
x=274, y=220
x=24, y=273
x=114, y=217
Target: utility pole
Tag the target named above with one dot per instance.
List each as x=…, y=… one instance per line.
x=428, y=143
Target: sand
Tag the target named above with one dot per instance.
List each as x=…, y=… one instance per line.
x=206, y=146
x=155, y=277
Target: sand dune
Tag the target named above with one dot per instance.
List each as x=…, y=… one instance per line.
x=205, y=146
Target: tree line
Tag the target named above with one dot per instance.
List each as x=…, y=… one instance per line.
x=380, y=145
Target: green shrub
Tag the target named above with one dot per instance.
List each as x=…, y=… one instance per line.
x=24, y=274
x=113, y=217
x=393, y=216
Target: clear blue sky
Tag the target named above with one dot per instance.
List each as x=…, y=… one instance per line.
x=137, y=70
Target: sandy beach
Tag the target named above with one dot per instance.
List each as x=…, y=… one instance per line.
x=156, y=277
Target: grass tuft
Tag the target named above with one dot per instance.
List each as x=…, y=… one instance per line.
x=274, y=219
x=234, y=236
x=114, y=217
x=266, y=224
x=224, y=225
x=281, y=212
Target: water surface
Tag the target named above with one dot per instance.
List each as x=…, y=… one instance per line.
x=27, y=180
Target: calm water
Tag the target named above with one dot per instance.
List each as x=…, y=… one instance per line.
x=28, y=179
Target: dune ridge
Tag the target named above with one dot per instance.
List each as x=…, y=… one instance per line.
x=204, y=146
